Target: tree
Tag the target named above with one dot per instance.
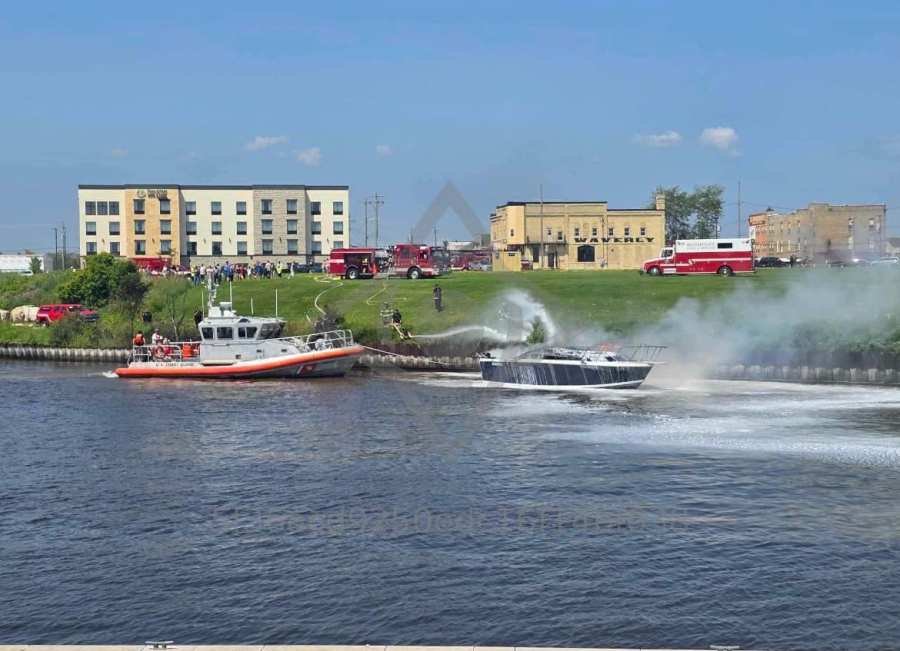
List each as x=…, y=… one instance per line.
x=98, y=281
x=707, y=201
x=679, y=208
x=691, y=214
x=129, y=296
x=35, y=265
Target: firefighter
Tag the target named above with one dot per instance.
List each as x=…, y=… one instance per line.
x=437, y=295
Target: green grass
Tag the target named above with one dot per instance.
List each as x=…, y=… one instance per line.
x=616, y=301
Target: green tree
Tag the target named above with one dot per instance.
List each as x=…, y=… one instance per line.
x=36, y=265
x=679, y=208
x=707, y=202
x=98, y=281
x=691, y=214
x=129, y=297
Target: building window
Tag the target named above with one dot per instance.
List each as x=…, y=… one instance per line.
x=90, y=207
x=316, y=248
x=292, y=206
x=91, y=248
x=165, y=226
x=191, y=228
x=113, y=228
x=101, y=207
x=114, y=248
x=338, y=244
x=549, y=232
x=266, y=206
x=586, y=253
x=316, y=228
x=217, y=248
x=216, y=228
x=338, y=228
x=643, y=231
x=190, y=207
x=139, y=227
x=292, y=227
x=627, y=231
x=292, y=247
x=610, y=231
x=559, y=236
x=242, y=228
x=138, y=206
x=215, y=207
x=512, y=232
x=337, y=208
x=267, y=247
x=242, y=248
x=240, y=207
x=113, y=207
x=192, y=248
x=165, y=247
x=266, y=226
x=577, y=232
x=140, y=247
x=594, y=231
x=315, y=207
x=90, y=228
x=165, y=206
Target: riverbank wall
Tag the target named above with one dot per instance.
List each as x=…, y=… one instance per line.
x=281, y=647
x=808, y=374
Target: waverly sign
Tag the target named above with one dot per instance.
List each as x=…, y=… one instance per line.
x=618, y=240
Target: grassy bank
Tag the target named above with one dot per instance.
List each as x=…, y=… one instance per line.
x=616, y=301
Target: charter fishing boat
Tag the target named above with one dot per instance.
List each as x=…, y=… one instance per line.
x=548, y=367
x=232, y=346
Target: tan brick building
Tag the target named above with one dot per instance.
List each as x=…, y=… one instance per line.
x=821, y=232
x=575, y=235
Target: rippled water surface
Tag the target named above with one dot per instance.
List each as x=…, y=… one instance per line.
x=431, y=509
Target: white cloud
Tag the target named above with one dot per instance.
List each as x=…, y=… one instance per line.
x=383, y=150
x=264, y=142
x=311, y=157
x=119, y=152
x=722, y=138
x=659, y=140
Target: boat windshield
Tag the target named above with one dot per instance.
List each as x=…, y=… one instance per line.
x=270, y=331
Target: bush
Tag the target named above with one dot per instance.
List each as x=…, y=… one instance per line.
x=72, y=331
x=99, y=281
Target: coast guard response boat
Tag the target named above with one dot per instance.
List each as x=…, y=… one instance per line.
x=233, y=346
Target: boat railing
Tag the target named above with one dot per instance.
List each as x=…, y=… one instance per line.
x=640, y=352
x=321, y=340
x=174, y=352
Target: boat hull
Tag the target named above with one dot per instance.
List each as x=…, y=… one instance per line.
x=548, y=374
x=326, y=363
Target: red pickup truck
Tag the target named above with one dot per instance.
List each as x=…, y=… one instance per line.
x=47, y=314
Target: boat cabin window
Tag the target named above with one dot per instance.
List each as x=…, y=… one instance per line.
x=224, y=333
x=206, y=333
x=247, y=333
x=270, y=331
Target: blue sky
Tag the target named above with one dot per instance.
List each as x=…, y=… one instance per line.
x=800, y=101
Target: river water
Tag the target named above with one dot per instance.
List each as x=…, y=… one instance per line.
x=391, y=509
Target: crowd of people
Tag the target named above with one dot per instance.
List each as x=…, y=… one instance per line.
x=229, y=272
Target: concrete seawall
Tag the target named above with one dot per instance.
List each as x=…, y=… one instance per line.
x=288, y=647
x=48, y=354
x=809, y=374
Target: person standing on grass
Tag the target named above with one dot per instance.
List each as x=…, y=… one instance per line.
x=437, y=295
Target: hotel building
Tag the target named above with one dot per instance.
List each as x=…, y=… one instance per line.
x=208, y=224
x=575, y=235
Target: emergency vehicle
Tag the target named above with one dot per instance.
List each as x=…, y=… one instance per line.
x=725, y=257
x=409, y=260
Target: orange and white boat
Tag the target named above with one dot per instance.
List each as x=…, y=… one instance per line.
x=233, y=346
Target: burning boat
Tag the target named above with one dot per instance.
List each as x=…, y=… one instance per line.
x=623, y=368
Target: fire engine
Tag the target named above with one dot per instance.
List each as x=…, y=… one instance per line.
x=409, y=260
x=725, y=257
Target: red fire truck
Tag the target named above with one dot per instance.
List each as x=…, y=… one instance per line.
x=725, y=257
x=356, y=263
x=410, y=260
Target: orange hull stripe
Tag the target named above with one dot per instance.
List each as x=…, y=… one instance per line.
x=236, y=369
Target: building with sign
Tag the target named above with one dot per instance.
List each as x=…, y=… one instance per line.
x=209, y=224
x=575, y=235
x=821, y=232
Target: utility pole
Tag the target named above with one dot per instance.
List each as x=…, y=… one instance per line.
x=55, y=249
x=65, y=253
x=366, y=222
x=740, y=216
x=378, y=203
x=541, y=254
x=435, y=234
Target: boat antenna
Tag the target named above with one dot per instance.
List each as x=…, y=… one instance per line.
x=276, y=302
x=231, y=291
x=211, y=286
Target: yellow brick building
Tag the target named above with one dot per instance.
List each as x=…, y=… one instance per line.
x=575, y=235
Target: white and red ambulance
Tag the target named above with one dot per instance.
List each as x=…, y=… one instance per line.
x=725, y=257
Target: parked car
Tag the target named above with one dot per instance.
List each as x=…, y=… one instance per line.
x=889, y=260
x=315, y=268
x=47, y=314
x=770, y=261
x=301, y=268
